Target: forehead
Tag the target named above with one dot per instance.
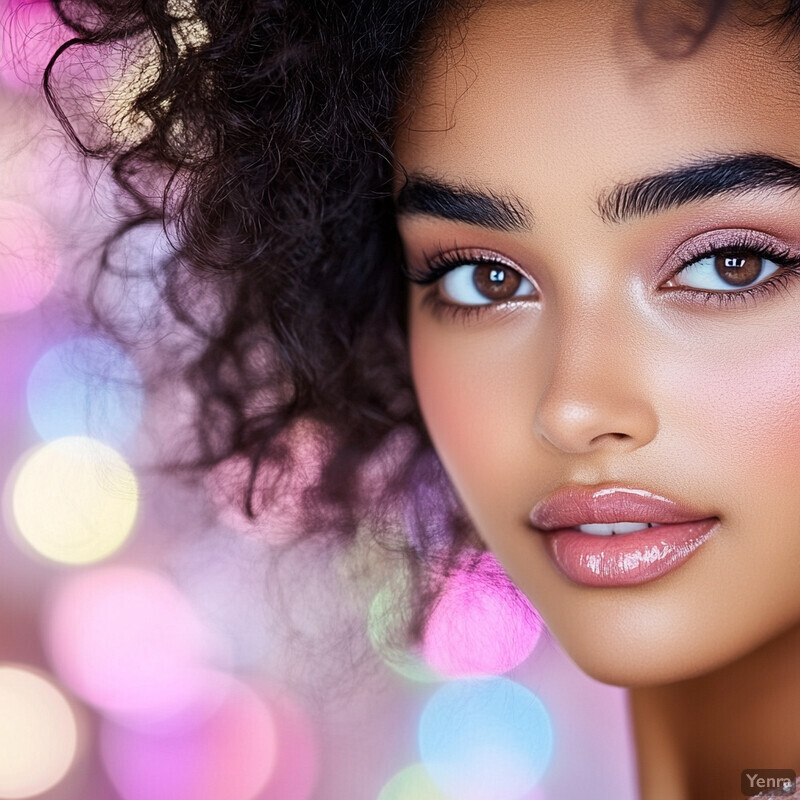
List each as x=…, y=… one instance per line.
x=556, y=93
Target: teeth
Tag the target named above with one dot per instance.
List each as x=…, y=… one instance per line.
x=609, y=528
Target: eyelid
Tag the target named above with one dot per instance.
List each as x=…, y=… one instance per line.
x=710, y=243
x=448, y=259
x=767, y=247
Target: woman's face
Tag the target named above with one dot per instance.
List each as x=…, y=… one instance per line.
x=613, y=335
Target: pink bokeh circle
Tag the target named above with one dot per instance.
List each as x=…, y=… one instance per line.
x=481, y=625
x=297, y=756
x=126, y=641
x=230, y=755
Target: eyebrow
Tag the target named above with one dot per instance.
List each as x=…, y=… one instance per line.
x=433, y=197
x=701, y=179
x=698, y=180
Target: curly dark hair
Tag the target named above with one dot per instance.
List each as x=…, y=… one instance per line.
x=270, y=123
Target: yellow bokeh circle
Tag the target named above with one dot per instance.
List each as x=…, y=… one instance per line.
x=412, y=783
x=74, y=500
x=38, y=734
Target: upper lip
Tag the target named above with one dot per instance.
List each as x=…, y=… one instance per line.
x=571, y=506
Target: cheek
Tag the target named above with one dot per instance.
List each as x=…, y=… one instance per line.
x=742, y=413
x=742, y=403
x=475, y=390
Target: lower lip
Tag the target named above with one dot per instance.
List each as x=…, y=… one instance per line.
x=626, y=559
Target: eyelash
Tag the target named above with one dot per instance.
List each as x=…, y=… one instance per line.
x=437, y=267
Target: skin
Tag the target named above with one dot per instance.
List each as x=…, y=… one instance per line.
x=554, y=103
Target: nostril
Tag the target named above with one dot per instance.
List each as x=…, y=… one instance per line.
x=622, y=418
x=611, y=435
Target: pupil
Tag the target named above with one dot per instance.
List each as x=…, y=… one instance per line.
x=497, y=275
x=738, y=268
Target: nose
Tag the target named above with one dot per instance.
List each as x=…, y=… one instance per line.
x=595, y=395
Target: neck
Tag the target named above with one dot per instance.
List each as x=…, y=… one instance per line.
x=694, y=737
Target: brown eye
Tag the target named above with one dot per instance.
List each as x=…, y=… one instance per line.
x=726, y=270
x=484, y=283
x=496, y=282
x=738, y=267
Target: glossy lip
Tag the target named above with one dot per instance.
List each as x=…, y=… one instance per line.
x=624, y=559
x=581, y=505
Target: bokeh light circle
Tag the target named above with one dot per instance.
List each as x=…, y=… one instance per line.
x=481, y=625
x=230, y=755
x=412, y=783
x=297, y=758
x=85, y=387
x=38, y=733
x=29, y=260
x=74, y=500
x=485, y=739
x=126, y=641
x=388, y=619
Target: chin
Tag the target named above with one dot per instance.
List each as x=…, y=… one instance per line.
x=634, y=673
x=633, y=664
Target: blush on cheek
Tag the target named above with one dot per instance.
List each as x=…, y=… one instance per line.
x=476, y=414
x=754, y=408
x=443, y=389
x=444, y=397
